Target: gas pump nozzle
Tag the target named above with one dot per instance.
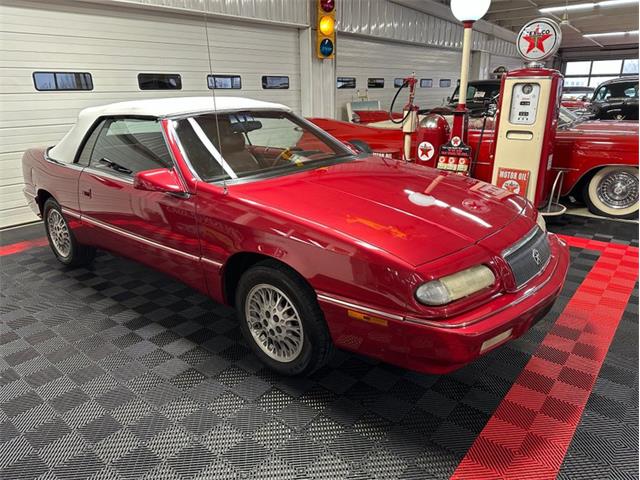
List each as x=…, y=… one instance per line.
x=410, y=117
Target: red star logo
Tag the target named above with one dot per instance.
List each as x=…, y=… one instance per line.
x=426, y=151
x=536, y=40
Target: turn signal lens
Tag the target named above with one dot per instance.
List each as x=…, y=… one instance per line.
x=454, y=287
x=327, y=25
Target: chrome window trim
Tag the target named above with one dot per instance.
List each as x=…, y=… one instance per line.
x=72, y=165
x=102, y=173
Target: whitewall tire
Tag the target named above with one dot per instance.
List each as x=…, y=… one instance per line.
x=613, y=192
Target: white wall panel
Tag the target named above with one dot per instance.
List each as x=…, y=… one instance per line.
x=363, y=58
x=392, y=21
x=293, y=12
x=510, y=62
x=114, y=44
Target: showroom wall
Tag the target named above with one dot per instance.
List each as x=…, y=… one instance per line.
x=114, y=45
x=421, y=37
x=359, y=59
x=114, y=41
x=507, y=61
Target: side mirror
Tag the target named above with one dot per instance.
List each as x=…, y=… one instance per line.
x=585, y=98
x=159, y=180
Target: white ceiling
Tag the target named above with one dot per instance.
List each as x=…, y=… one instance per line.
x=513, y=14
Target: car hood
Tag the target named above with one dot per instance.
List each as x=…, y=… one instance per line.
x=416, y=213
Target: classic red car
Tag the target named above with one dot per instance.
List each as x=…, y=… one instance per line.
x=599, y=158
x=315, y=246
x=576, y=98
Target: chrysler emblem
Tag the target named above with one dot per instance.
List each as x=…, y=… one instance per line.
x=536, y=256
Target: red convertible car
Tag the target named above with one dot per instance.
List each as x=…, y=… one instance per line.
x=599, y=158
x=316, y=247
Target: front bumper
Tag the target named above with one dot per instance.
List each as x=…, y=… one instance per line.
x=442, y=346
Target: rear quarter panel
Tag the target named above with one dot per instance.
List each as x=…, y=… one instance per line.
x=59, y=179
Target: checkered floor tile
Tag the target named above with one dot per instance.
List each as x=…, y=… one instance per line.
x=116, y=371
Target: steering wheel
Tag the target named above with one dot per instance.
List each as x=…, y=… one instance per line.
x=286, y=151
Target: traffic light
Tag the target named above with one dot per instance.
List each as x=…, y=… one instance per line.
x=326, y=29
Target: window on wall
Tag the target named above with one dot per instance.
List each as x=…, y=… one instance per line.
x=375, y=82
x=346, y=82
x=398, y=82
x=593, y=73
x=224, y=82
x=47, y=81
x=270, y=82
x=159, y=81
x=445, y=83
x=630, y=67
x=426, y=83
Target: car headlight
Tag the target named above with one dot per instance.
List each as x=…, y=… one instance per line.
x=453, y=287
x=541, y=223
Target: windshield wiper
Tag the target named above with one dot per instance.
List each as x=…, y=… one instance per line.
x=115, y=166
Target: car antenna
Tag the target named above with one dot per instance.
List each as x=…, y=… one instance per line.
x=213, y=96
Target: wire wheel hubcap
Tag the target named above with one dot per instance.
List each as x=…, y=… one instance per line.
x=59, y=233
x=618, y=189
x=274, y=322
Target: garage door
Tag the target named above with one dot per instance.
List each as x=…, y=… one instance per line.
x=362, y=59
x=114, y=45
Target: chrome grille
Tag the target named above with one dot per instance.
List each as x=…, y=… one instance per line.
x=528, y=256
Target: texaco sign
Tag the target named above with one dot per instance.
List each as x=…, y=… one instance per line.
x=539, y=39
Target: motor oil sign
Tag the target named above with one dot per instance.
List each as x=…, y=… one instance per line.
x=515, y=181
x=455, y=156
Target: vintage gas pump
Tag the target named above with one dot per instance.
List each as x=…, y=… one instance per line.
x=527, y=118
x=409, y=117
x=455, y=155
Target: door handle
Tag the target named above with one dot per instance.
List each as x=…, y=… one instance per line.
x=87, y=193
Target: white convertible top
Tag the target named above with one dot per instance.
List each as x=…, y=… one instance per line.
x=66, y=149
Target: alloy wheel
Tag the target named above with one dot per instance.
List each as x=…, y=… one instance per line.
x=274, y=322
x=59, y=233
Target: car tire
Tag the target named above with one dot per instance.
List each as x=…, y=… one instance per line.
x=361, y=146
x=281, y=320
x=613, y=192
x=61, y=239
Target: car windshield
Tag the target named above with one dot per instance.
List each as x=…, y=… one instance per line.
x=617, y=90
x=245, y=144
x=566, y=118
x=577, y=93
x=478, y=92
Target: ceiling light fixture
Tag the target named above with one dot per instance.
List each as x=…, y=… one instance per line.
x=610, y=34
x=615, y=3
x=577, y=6
x=587, y=6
